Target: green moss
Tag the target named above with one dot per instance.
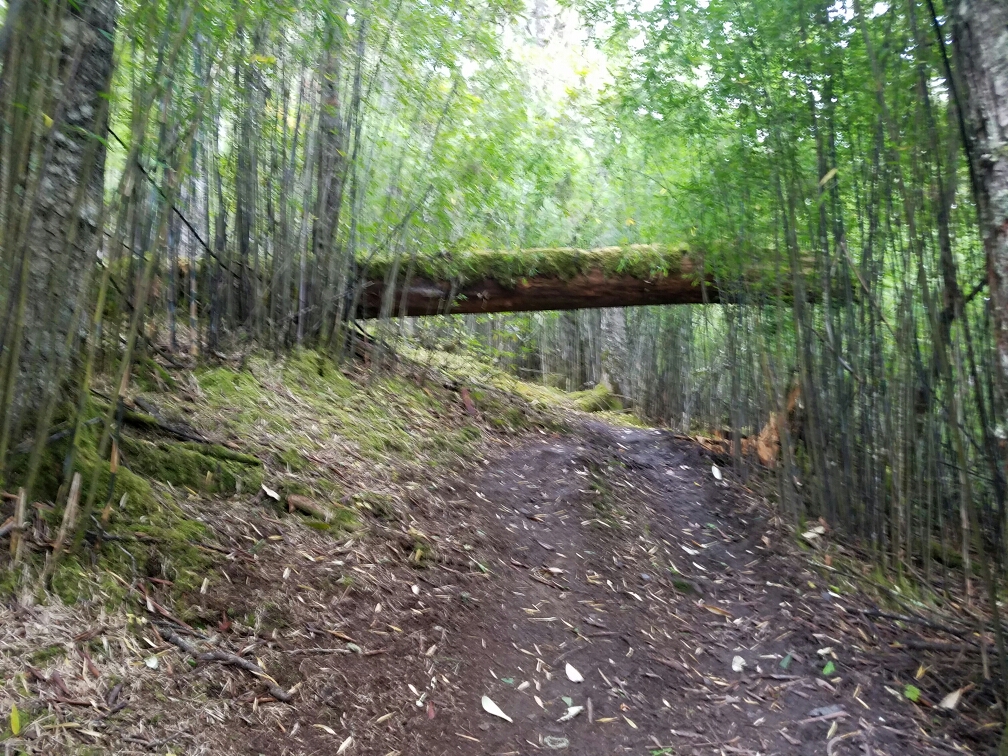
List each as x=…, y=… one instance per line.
x=343, y=519
x=222, y=452
x=458, y=441
x=598, y=399
x=47, y=654
x=509, y=267
x=150, y=534
x=292, y=460
x=148, y=375
x=296, y=487
x=184, y=465
x=685, y=586
x=381, y=505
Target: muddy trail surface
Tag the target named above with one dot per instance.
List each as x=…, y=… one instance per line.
x=640, y=605
x=602, y=591
x=605, y=593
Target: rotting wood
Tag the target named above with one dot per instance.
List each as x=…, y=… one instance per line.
x=594, y=281
x=308, y=506
x=585, y=291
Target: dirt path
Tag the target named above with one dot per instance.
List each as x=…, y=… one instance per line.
x=695, y=624
x=620, y=554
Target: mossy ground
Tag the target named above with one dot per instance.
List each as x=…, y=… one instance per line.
x=137, y=527
x=598, y=399
x=537, y=404
x=293, y=425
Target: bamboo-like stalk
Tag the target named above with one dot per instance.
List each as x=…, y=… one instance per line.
x=17, y=544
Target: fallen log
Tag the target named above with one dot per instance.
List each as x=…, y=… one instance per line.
x=539, y=279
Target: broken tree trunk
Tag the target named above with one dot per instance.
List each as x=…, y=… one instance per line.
x=540, y=279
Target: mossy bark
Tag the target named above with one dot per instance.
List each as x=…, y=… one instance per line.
x=540, y=279
x=41, y=210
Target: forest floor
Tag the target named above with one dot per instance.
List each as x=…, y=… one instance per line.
x=574, y=570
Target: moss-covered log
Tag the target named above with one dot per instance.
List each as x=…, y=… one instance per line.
x=539, y=279
x=542, y=279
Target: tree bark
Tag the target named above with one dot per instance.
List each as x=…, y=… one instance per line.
x=981, y=51
x=55, y=219
x=536, y=293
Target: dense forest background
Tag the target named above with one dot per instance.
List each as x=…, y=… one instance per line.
x=204, y=178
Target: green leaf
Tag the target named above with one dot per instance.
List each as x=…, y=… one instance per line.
x=912, y=692
x=829, y=669
x=786, y=661
x=15, y=720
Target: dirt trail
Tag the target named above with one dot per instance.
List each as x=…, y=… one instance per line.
x=696, y=625
x=619, y=553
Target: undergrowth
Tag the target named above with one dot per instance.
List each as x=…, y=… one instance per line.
x=279, y=432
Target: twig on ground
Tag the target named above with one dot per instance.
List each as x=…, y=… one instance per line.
x=225, y=658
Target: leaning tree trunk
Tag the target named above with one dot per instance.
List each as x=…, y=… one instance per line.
x=57, y=60
x=981, y=32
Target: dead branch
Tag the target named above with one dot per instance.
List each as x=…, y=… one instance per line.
x=225, y=658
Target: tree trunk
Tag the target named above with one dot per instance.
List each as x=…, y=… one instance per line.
x=981, y=36
x=614, y=350
x=50, y=217
x=981, y=50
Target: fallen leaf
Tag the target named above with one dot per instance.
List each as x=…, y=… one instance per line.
x=491, y=708
x=814, y=533
x=344, y=745
x=270, y=492
x=951, y=701
x=572, y=711
x=629, y=721
x=573, y=675
x=330, y=730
